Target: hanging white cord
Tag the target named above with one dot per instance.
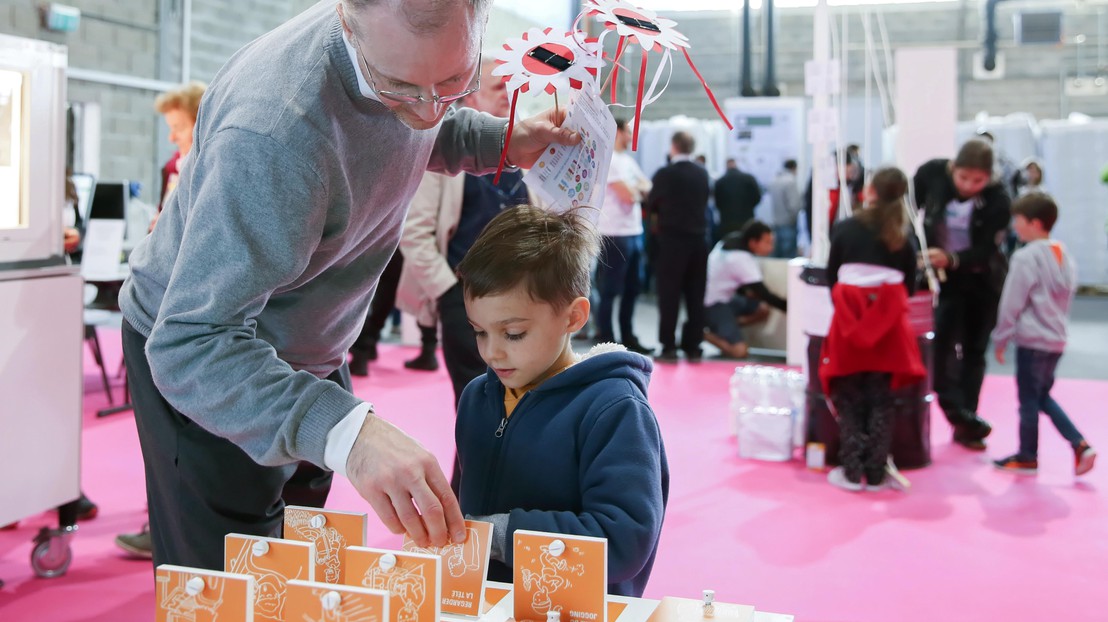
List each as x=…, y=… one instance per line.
x=886, y=102
x=866, y=134
x=890, y=76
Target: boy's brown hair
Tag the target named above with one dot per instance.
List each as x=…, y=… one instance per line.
x=1037, y=206
x=551, y=254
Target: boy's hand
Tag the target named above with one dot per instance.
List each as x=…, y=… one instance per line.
x=1000, y=353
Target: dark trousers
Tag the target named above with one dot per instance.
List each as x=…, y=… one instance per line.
x=681, y=274
x=200, y=486
x=617, y=276
x=459, y=352
x=865, y=405
x=1034, y=379
x=964, y=319
x=384, y=299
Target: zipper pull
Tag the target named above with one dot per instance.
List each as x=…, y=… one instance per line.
x=500, y=431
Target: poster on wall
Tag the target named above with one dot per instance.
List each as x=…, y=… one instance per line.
x=11, y=133
x=767, y=132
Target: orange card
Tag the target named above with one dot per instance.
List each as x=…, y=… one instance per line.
x=411, y=579
x=673, y=609
x=273, y=563
x=463, y=568
x=493, y=596
x=192, y=594
x=330, y=531
x=556, y=572
x=309, y=601
x=614, y=609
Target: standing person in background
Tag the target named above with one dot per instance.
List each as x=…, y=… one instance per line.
x=179, y=108
x=736, y=195
x=787, y=205
x=870, y=349
x=620, y=225
x=965, y=221
x=1033, y=311
x=676, y=204
x=242, y=304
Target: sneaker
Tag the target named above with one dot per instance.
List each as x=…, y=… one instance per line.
x=136, y=544
x=1083, y=458
x=694, y=356
x=426, y=361
x=668, y=355
x=837, y=477
x=891, y=479
x=972, y=433
x=1017, y=464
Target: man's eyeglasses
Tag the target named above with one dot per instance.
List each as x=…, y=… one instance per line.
x=408, y=98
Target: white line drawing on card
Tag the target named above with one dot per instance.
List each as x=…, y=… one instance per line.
x=329, y=543
x=179, y=606
x=408, y=585
x=459, y=558
x=552, y=578
x=350, y=610
x=271, y=584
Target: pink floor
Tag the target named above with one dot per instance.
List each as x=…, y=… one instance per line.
x=967, y=543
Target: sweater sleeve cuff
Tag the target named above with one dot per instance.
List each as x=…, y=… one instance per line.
x=340, y=440
x=334, y=405
x=499, y=535
x=493, y=134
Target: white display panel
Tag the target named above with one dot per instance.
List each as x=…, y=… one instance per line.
x=32, y=150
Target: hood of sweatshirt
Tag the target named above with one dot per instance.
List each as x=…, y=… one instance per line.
x=1052, y=265
x=605, y=360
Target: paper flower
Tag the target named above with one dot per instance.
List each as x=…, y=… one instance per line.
x=545, y=61
x=654, y=34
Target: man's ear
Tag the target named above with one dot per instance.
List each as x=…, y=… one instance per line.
x=578, y=314
x=342, y=17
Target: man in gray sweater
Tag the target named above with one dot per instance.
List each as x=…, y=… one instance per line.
x=243, y=302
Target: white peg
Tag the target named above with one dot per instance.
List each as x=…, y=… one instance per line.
x=318, y=521
x=261, y=547
x=331, y=600
x=553, y=616
x=556, y=548
x=709, y=603
x=194, y=586
x=387, y=562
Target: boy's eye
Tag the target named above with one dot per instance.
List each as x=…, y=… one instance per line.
x=514, y=337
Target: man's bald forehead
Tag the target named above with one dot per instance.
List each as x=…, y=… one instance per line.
x=422, y=16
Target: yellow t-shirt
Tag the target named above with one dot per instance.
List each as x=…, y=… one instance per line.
x=512, y=396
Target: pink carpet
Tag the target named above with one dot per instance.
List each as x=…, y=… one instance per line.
x=967, y=543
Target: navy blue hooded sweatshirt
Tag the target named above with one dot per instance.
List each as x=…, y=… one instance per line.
x=581, y=454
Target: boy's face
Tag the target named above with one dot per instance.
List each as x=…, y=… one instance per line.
x=1027, y=230
x=522, y=340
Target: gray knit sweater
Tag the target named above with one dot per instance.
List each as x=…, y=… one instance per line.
x=257, y=278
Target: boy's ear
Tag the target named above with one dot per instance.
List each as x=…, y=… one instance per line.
x=578, y=314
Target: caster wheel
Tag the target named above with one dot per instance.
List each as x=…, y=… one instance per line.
x=52, y=555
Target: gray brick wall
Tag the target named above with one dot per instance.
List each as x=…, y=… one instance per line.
x=1032, y=82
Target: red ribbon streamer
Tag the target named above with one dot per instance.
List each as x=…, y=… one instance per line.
x=507, y=137
x=615, y=66
x=702, y=83
x=638, y=103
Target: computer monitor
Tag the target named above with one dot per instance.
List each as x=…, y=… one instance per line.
x=109, y=200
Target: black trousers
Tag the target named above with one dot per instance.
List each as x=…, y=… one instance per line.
x=964, y=319
x=459, y=352
x=866, y=406
x=384, y=300
x=200, y=486
x=681, y=272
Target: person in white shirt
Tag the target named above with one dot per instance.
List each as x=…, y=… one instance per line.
x=620, y=225
x=736, y=295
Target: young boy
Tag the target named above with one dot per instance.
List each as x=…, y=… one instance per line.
x=549, y=441
x=1033, y=310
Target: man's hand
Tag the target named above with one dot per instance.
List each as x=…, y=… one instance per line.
x=999, y=352
x=531, y=137
x=938, y=258
x=403, y=483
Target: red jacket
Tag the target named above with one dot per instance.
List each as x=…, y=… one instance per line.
x=870, y=333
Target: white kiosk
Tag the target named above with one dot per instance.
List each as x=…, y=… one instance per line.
x=41, y=326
